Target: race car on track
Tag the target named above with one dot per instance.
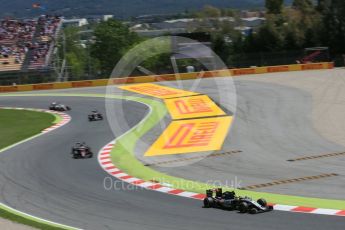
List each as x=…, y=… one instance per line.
x=81, y=150
x=215, y=198
x=95, y=116
x=59, y=107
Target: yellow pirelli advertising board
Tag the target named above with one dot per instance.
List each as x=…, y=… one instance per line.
x=158, y=91
x=192, y=107
x=189, y=136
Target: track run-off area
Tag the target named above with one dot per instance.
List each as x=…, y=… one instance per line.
x=279, y=117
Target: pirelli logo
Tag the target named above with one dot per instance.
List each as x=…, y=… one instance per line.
x=244, y=71
x=157, y=90
x=192, y=107
x=196, y=105
x=312, y=66
x=43, y=86
x=187, y=136
x=125, y=80
x=273, y=69
x=192, y=134
x=9, y=89
x=81, y=84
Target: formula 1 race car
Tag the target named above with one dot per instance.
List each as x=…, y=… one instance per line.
x=80, y=150
x=229, y=201
x=95, y=116
x=58, y=107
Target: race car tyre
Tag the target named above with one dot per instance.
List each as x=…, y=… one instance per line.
x=208, y=202
x=243, y=207
x=68, y=108
x=262, y=202
x=253, y=211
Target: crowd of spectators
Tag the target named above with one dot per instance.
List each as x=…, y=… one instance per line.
x=20, y=39
x=15, y=40
x=47, y=27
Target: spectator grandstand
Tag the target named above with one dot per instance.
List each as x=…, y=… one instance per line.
x=27, y=44
x=15, y=38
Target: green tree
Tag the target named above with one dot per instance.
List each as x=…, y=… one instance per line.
x=159, y=56
x=321, y=4
x=305, y=6
x=76, y=64
x=220, y=47
x=293, y=36
x=75, y=53
x=274, y=6
x=250, y=43
x=227, y=12
x=333, y=34
x=269, y=37
x=211, y=12
x=112, y=40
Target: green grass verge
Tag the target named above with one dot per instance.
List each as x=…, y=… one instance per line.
x=17, y=125
x=27, y=220
x=123, y=157
x=57, y=118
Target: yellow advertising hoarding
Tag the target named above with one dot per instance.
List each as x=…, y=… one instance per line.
x=192, y=107
x=189, y=136
x=158, y=91
x=182, y=76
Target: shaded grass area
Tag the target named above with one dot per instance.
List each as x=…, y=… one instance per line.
x=17, y=125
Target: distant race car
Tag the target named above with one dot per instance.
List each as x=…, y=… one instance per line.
x=95, y=116
x=80, y=150
x=229, y=201
x=59, y=107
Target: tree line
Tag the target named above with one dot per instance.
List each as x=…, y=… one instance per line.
x=305, y=23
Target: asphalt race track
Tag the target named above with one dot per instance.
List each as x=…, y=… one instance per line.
x=273, y=123
x=40, y=177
